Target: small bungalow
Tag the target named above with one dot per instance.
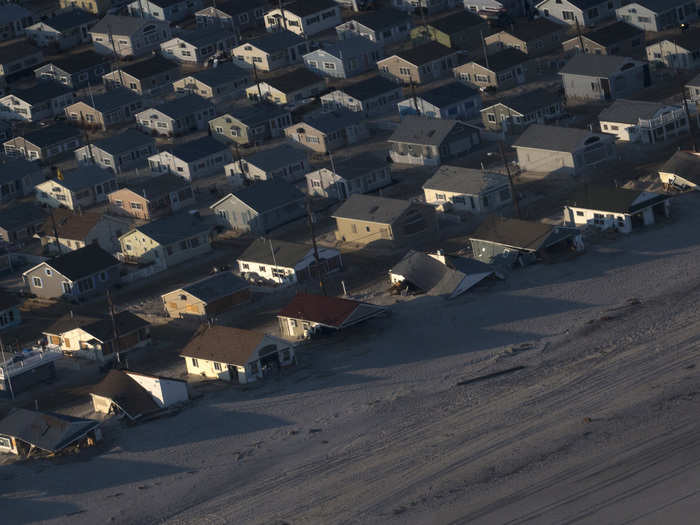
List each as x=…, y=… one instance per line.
x=286, y=162
x=344, y=58
x=93, y=337
x=151, y=198
x=681, y=51
x=20, y=222
x=25, y=369
x=383, y=26
x=644, y=122
x=682, y=171
x=309, y=314
x=18, y=56
x=178, y=116
x=150, y=76
x=618, y=209
x=207, y=297
x=45, y=100
x=192, y=160
x=587, y=13
x=261, y=207
x=429, y=142
x=236, y=15
x=96, y=7
x=328, y=132
x=362, y=173
x=119, y=153
x=514, y=114
x=419, y=65
x=224, y=81
x=135, y=395
x=293, y=86
x=15, y=19
x=44, y=144
x=467, y=189
x=565, y=150
x=458, y=30
x=532, y=37
x=429, y=8
x=66, y=30
x=271, y=51
x=371, y=97
x=126, y=36
x=18, y=177
x=164, y=10
x=199, y=45
x=603, y=77
x=518, y=242
x=167, y=241
x=76, y=274
x=305, y=18
x=77, y=70
x=77, y=189
x=66, y=231
x=236, y=355
x=502, y=70
x=106, y=110
x=284, y=262
x=658, y=15
x=618, y=38
x=453, y=100
x=251, y=124
x=366, y=219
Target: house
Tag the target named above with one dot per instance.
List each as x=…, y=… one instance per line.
x=150, y=76
x=545, y=148
x=502, y=70
x=383, y=26
x=658, y=15
x=25, y=370
x=76, y=274
x=78, y=188
x=192, y=160
x=15, y=19
x=284, y=262
x=126, y=36
x=77, y=70
x=66, y=30
x=371, y=97
x=105, y=110
x=293, y=86
x=10, y=315
x=197, y=46
x=286, y=162
x=679, y=52
x=458, y=30
x=533, y=37
x=271, y=51
x=226, y=80
x=344, y=58
x=66, y=231
x=305, y=18
x=96, y=7
x=645, y=122
x=208, y=297
x=617, y=38
x=437, y=274
x=18, y=177
x=177, y=116
x=152, y=197
x=20, y=222
x=44, y=144
x=467, y=189
x=603, y=77
x=238, y=15
x=308, y=314
x=618, y=209
x=45, y=100
x=261, y=207
x=692, y=89
x=517, y=242
x=236, y=355
x=251, y=124
x=164, y=10
x=119, y=153
x=429, y=142
x=167, y=241
x=5, y=130
x=514, y=114
x=94, y=337
x=328, y=132
x=682, y=171
x=362, y=173
x=18, y=56
x=366, y=219
x=24, y=432
x=429, y=8
x=419, y=65
x=587, y=13
x=453, y=100
x=134, y=395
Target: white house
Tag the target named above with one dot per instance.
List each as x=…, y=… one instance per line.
x=467, y=189
x=192, y=160
x=198, y=46
x=645, y=122
x=164, y=10
x=306, y=17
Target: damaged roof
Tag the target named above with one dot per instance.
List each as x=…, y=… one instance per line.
x=126, y=393
x=684, y=164
x=45, y=430
x=428, y=274
x=322, y=309
x=618, y=200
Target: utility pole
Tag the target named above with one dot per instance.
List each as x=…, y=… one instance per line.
x=313, y=240
x=116, y=57
x=284, y=19
x=516, y=205
x=580, y=38
x=257, y=82
x=87, y=138
x=483, y=46
x=115, y=329
x=55, y=230
x=413, y=93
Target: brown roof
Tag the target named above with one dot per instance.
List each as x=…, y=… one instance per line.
x=131, y=397
x=330, y=311
x=223, y=344
x=71, y=225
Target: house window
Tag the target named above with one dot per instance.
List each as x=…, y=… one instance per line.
x=103, y=276
x=253, y=368
x=217, y=366
x=195, y=363
x=48, y=272
x=491, y=117
x=579, y=214
x=328, y=65
x=37, y=282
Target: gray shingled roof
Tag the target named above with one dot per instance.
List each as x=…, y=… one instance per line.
x=456, y=22
x=415, y=129
x=216, y=286
x=271, y=42
x=617, y=200
x=286, y=253
x=595, y=65
x=82, y=262
x=554, y=138
x=182, y=106
x=424, y=53
x=43, y=91
x=360, y=164
x=659, y=6
x=153, y=65
x=294, y=80
x=112, y=99
x=69, y=19
x=174, y=228
x=527, y=30
x=372, y=209
x=308, y=7
x=50, y=135
x=382, y=19
x=199, y=37
x=120, y=25
x=449, y=94
x=347, y=48
x=85, y=176
x=277, y=157
x=21, y=215
x=14, y=168
x=124, y=141
x=197, y=148
x=612, y=33
x=630, y=111
x=153, y=187
x=268, y=195
x=221, y=74
x=16, y=48
x=334, y=121
x=505, y=59
x=369, y=88
x=528, y=101
x=252, y=114
x=77, y=62
x=428, y=274
x=47, y=431
x=526, y=235
x=464, y=180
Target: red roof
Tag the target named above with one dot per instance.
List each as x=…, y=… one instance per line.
x=330, y=311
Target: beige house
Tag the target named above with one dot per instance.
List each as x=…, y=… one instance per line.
x=150, y=76
x=251, y=123
x=44, y=143
x=304, y=17
x=178, y=116
x=502, y=70
x=225, y=80
x=271, y=51
x=534, y=38
x=618, y=38
x=329, y=132
x=152, y=198
x=294, y=86
x=419, y=65
x=97, y=7
x=106, y=109
x=126, y=36
x=76, y=230
x=77, y=189
x=207, y=297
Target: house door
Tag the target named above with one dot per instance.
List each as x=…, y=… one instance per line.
x=233, y=373
x=605, y=85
